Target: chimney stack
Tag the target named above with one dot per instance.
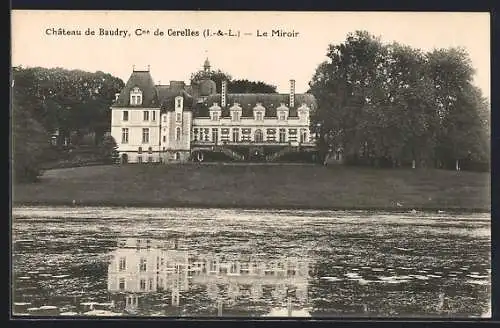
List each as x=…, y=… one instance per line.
x=223, y=94
x=292, y=93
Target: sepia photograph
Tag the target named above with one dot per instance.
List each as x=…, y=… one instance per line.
x=216, y=164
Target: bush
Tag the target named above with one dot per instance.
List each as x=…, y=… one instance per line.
x=108, y=150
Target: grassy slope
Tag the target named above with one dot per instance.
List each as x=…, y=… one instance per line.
x=281, y=186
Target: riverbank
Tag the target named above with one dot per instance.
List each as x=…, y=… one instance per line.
x=259, y=186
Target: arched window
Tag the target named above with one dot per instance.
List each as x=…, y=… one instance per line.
x=258, y=137
x=136, y=96
x=178, y=133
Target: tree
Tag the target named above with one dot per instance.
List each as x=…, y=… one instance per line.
x=392, y=104
x=29, y=139
x=233, y=86
x=109, y=150
x=217, y=76
x=71, y=100
x=461, y=108
x=246, y=86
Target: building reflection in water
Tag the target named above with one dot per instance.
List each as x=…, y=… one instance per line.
x=139, y=267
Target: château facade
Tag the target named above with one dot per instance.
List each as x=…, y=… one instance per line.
x=178, y=122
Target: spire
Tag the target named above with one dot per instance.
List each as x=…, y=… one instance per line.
x=206, y=65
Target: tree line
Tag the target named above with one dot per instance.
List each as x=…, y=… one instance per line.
x=72, y=102
x=393, y=105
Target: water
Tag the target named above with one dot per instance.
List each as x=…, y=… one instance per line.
x=251, y=263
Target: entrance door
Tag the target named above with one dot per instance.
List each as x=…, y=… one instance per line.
x=124, y=158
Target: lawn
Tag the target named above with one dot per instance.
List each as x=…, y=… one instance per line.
x=260, y=186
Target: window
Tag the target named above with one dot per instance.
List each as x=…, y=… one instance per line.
x=125, y=135
x=139, y=151
x=150, y=150
x=215, y=135
x=150, y=159
x=136, y=96
x=145, y=115
x=177, y=156
x=177, y=133
x=143, y=264
x=246, y=134
x=153, y=115
x=143, y=284
x=164, y=118
x=178, y=117
x=271, y=135
x=236, y=116
x=282, y=135
x=282, y=116
x=258, y=116
x=236, y=135
x=150, y=284
x=258, y=136
x=215, y=116
x=145, y=135
x=121, y=283
x=303, y=136
x=224, y=134
x=139, y=159
x=125, y=115
x=122, y=264
x=164, y=138
x=179, y=102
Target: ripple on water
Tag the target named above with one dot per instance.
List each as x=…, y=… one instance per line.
x=228, y=230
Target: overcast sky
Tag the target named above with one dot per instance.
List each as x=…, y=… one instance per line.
x=273, y=60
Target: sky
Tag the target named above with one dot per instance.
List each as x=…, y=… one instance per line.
x=271, y=59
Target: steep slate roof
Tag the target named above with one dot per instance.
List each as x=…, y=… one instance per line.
x=163, y=96
x=144, y=81
x=168, y=99
x=247, y=101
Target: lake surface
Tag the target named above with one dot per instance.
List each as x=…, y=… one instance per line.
x=251, y=263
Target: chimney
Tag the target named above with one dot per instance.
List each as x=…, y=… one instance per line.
x=292, y=93
x=223, y=93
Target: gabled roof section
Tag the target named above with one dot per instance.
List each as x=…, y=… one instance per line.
x=144, y=81
x=247, y=101
x=167, y=96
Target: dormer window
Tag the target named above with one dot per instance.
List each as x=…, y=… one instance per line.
x=179, y=103
x=259, y=111
x=135, y=96
x=215, y=111
x=282, y=111
x=236, y=112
